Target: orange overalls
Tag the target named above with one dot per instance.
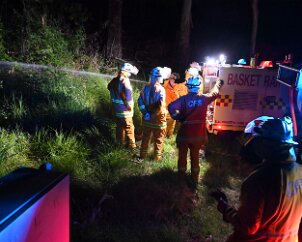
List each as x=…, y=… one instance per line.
x=152, y=101
x=191, y=110
x=171, y=95
x=122, y=100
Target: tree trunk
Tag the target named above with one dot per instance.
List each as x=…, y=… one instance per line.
x=114, y=41
x=255, y=27
x=184, y=35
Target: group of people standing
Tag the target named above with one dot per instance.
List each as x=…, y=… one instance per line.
x=271, y=196
x=162, y=103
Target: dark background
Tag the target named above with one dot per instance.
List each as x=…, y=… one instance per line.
x=151, y=27
x=218, y=26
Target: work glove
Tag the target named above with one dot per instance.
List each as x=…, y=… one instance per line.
x=221, y=82
x=221, y=198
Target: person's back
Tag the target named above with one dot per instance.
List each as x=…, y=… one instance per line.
x=121, y=95
x=271, y=207
x=152, y=105
x=192, y=113
x=152, y=97
x=271, y=196
x=190, y=110
x=122, y=101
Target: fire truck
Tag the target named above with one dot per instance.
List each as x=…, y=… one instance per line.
x=247, y=93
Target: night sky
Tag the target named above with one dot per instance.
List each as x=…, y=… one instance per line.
x=221, y=26
x=150, y=28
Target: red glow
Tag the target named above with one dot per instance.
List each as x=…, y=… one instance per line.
x=265, y=64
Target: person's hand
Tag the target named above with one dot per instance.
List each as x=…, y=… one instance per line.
x=221, y=82
x=221, y=198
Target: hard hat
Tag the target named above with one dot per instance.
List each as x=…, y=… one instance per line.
x=242, y=62
x=278, y=129
x=129, y=68
x=163, y=72
x=195, y=65
x=193, y=72
x=265, y=64
x=193, y=82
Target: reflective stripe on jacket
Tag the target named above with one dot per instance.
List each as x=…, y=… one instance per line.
x=191, y=110
x=121, y=96
x=271, y=205
x=152, y=100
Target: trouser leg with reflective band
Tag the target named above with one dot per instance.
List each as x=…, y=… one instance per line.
x=125, y=127
x=170, y=126
x=159, y=135
x=147, y=132
x=182, y=157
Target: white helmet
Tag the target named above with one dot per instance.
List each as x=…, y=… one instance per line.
x=129, y=68
x=193, y=72
x=195, y=65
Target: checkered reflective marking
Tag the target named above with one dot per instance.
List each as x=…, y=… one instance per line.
x=224, y=101
x=277, y=104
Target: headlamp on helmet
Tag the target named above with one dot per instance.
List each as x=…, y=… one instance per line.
x=129, y=68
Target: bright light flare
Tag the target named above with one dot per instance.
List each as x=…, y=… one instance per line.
x=222, y=59
x=210, y=61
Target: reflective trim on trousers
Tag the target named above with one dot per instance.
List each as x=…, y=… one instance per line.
x=154, y=126
x=124, y=115
x=117, y=101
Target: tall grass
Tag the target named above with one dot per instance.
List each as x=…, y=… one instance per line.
x=66, y=120
x=14, y=150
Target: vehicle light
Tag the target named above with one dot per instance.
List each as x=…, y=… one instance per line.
x=222, y=59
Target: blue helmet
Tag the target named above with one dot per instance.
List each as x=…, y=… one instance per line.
x=193, y=84
x=163, y=72
x=242, y=62
x=278, y=129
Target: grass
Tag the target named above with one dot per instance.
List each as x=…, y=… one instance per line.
x=66, y=120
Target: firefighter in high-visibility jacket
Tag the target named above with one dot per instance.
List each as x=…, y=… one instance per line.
x=271, y=196
x=122, y=101
x=172, y=94
x=191, y=110
x=152, y=104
